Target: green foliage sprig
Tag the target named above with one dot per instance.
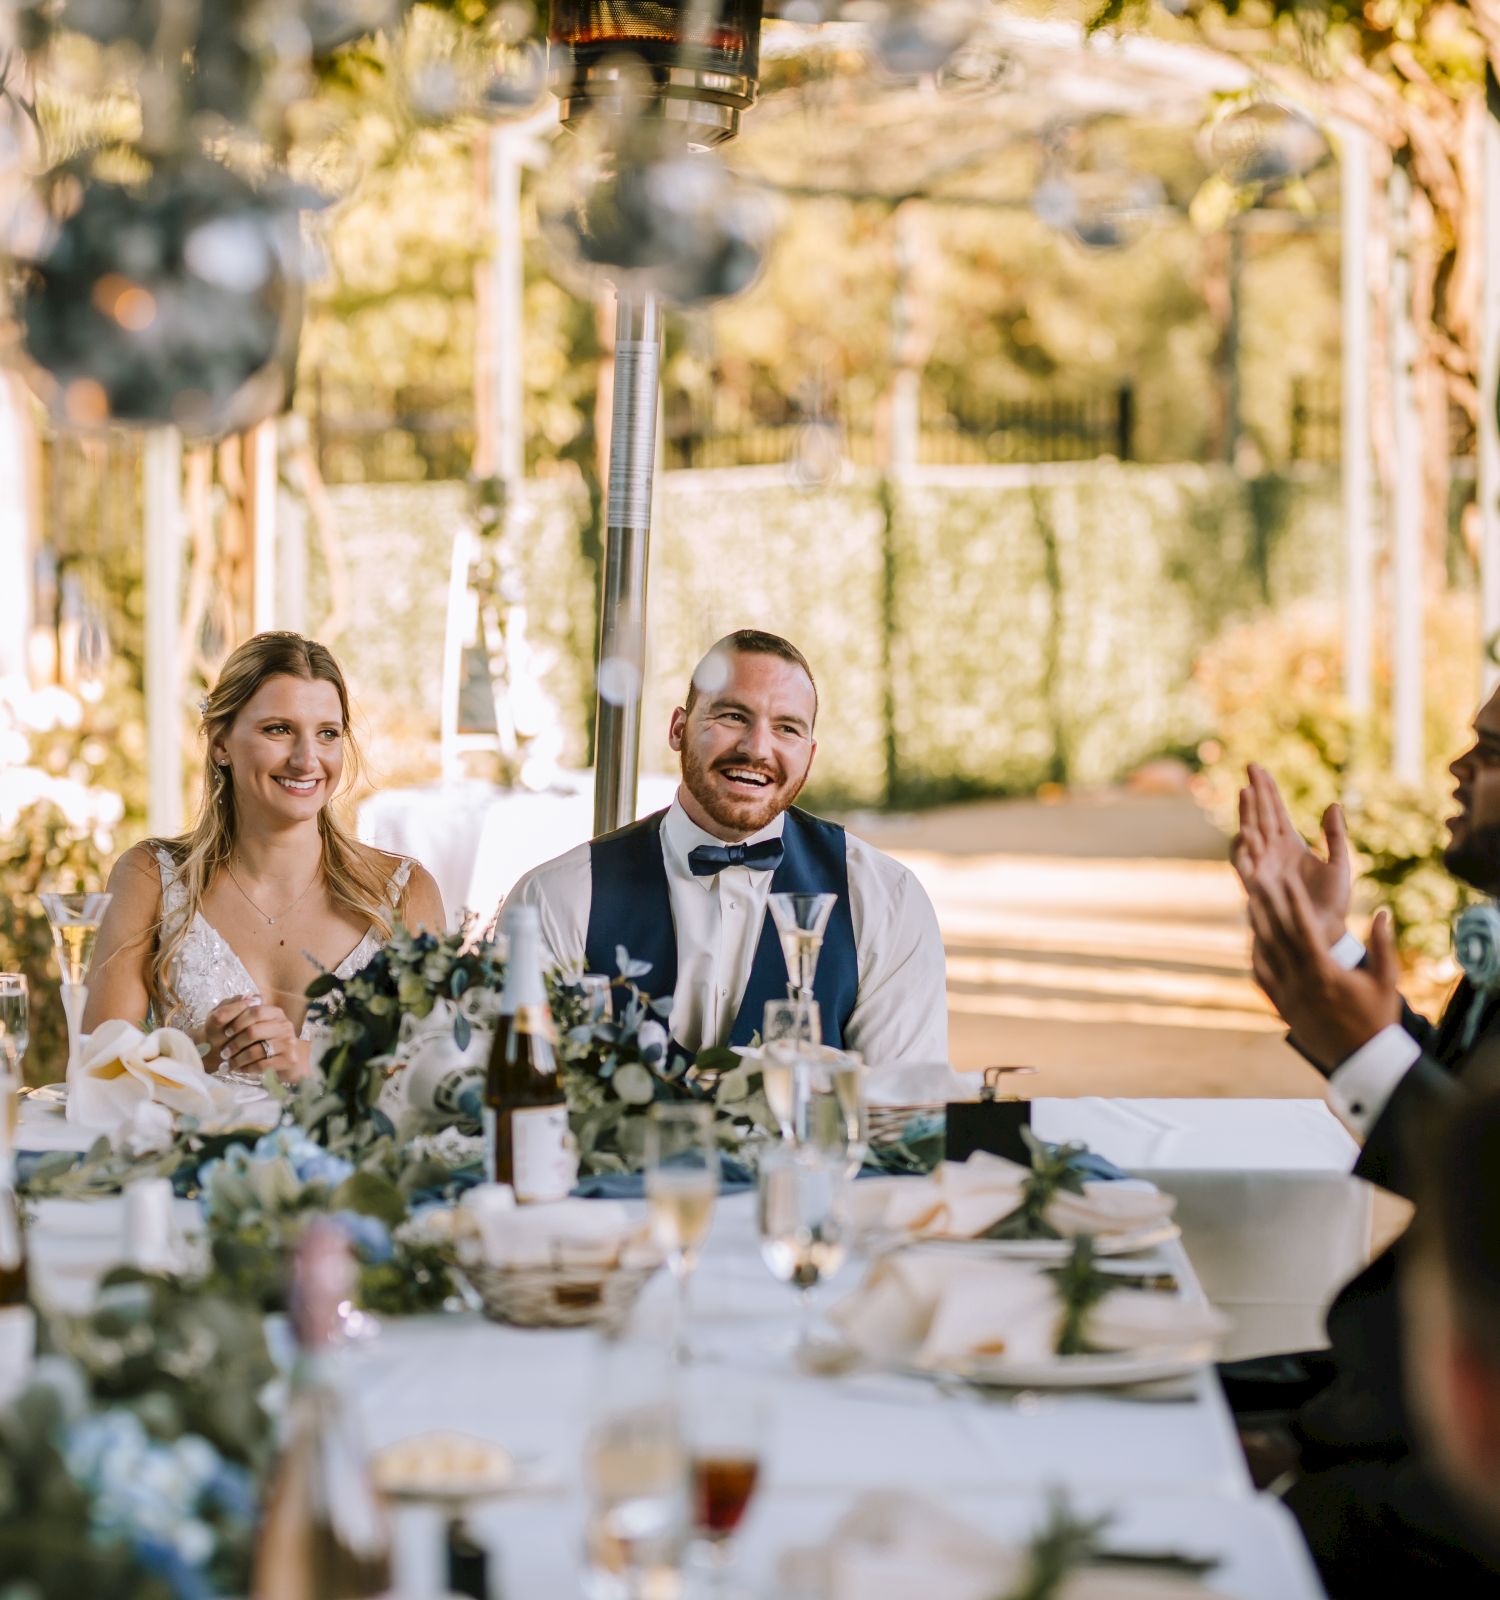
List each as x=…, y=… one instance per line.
x=1080, y=1287
x=1054, y=1171
x=1064, y=1543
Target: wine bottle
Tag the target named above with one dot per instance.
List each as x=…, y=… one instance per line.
x=323, y=1534
x=17, y=1319
x=525, y=1113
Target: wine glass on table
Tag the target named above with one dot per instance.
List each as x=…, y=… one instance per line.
x=682, y=1183
x=725, y=1425
x=635, y=1473
x=15, y=1034
x=836, y=1119
x=789, y=1035
x=803, y=1228
x=75, y=920
x=800, y=920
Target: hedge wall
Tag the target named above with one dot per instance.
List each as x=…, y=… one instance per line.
x=973, y=630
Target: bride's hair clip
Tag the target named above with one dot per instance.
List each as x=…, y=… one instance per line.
x=203, y=706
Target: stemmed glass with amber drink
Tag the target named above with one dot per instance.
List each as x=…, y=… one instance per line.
x=74, y=919
x=725, y=1427
x=682, y=1183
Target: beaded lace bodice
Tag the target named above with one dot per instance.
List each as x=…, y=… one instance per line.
x=206, y=970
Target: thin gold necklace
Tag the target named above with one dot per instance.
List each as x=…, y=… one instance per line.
x=272, y=921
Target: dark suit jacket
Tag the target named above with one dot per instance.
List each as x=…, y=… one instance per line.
x=1362, y=1414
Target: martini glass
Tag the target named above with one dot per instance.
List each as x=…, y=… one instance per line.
x=75, y=920
x=800, y=920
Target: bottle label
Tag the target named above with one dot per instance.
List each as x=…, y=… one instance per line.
x=544, y=1165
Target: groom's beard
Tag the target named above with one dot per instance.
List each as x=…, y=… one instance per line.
x=743, y=815
x=1475, y=859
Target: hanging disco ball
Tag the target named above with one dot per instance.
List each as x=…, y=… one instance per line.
x=332, y=24
x=1100, y=210
x=177, y=301
x=916, y=38
x=699, y=60
x=1266, y=143
x=642, y=213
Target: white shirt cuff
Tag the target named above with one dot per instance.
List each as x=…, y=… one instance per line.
x=1364, y=1082
x=1347, y=951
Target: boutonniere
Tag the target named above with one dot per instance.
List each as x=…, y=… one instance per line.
x=1476, y=943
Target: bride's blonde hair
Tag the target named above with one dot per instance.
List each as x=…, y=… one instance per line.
x=353, y=876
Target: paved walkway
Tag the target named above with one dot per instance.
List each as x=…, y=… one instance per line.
x=1100, y=938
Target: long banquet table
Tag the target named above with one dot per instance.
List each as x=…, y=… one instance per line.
x=1170, y=1469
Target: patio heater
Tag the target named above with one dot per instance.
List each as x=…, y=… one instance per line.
x=690, y=66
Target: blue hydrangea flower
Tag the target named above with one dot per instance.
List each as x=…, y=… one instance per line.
x=369, y=1236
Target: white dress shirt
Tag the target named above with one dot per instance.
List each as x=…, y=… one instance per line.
x=1361, y=1086
x=901, y=1012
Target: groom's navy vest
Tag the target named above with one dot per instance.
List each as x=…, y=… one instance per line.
x=631, y=906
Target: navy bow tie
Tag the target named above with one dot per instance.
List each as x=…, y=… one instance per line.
x=707, y=859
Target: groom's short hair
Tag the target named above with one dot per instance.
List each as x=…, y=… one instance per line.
x=752, y=642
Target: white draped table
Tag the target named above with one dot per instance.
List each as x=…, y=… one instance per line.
x=1270, y=1212
x=1170, y=1470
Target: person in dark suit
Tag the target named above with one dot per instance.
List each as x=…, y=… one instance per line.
x=1370, y=1502
x=1451, y=1297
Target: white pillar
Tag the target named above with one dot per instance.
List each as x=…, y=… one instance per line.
x=1488, y=430
x=263, y=494
x=1407, y=589
x=1359, y=533
x=162, y=496
x=508, y=148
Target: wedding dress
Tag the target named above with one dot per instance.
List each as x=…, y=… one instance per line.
x=205, y=971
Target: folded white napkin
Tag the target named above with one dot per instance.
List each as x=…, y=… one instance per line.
x=919, y=1307
x=120, y=1068
x=960, y=1200
x=891, y=1545
x=560, y=1233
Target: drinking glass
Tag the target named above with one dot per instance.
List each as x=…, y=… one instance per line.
x=682, y=1182
x=789, y=1034
x=636, y=1477
x=835, y=1118
x=800, y=920
x=75, y=920
x=15, y=1033
x=802, y=1224
x=725, y=1426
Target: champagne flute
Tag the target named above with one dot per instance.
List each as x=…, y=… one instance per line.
x=789, y=1033
x=802, y=1225
x=15, y=1034
x=682, y=1182
x=836, y=1119
x=75, y=920
x=800, y=920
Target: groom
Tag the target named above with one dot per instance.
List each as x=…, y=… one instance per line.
x=686, y=889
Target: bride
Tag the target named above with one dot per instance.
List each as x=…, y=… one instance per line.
x=219, y=932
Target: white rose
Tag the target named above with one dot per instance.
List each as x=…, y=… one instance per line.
x=633, y=1085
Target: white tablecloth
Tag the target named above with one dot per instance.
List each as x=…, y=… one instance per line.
x=1170, y=1470
x=1270, y=1213
x=477, y=839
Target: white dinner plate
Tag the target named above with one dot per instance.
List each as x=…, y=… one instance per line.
x=48, y=1094
x=1127, y=1243
x=1114, y=1368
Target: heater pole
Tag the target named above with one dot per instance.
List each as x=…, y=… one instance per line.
x=622, y=598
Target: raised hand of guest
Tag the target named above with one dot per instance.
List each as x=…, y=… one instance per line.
x=244, y=1034
x=1269, y=845
x=1330, y=1010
